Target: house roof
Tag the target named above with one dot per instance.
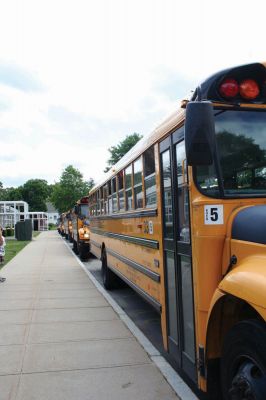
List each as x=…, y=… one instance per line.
x=50, y=208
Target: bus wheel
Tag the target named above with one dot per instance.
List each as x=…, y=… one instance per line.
x=243, y=364
x=83, y=252
x=75, y=247
x=108, y=275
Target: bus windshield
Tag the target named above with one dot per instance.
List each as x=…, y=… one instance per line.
x=241, y=151
x=84, y=210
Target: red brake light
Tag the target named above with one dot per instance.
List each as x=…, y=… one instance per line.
x=249, y=89
x=229, y=88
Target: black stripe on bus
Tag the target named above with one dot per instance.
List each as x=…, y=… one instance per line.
x=137, y=289
x=154, y=244
x=135, y=214
x=95, y=244
x=146, y=271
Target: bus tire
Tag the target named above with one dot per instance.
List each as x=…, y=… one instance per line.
x=107, y=274
x=84, y=252
x=243, y=363
x=75, y=247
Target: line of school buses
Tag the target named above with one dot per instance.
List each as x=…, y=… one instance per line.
x=181, y=219
x=74, y=226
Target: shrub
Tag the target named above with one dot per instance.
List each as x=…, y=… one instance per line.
x=8, y=231
x=51, y=226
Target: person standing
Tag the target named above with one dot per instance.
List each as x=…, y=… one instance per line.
x=2, y=250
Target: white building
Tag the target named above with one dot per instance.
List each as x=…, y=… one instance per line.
x=52, y=213
x=12, y=212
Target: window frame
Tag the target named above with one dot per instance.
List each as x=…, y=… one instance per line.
x=129, y=189
x=122, y=190
x=138, y=185
x=221, y=195
x=147, y=177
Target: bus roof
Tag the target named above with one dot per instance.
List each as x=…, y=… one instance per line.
x=209, y=88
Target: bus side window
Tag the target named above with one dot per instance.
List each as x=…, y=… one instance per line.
x=120, y=178
x=98, y=204
x=101, y=201
x=138, y=192
x=114, y=195
x=105, y=199
x=149, y=178
x=110, y=207
x=93, y=205
x=128, y=184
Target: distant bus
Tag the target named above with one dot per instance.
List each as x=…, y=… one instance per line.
x=181, y=218
x=60, y=225
x=67, y=225
x=80, y=231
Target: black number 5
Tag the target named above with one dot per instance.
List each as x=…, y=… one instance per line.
x=214, y=214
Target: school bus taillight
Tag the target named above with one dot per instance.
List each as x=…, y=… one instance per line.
x=229, y=88
x=249, y=89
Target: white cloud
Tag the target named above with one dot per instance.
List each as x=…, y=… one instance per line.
x=107, y=68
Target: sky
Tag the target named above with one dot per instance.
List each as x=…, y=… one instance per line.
x=77, y=76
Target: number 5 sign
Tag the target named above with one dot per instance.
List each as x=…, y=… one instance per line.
x=213, y=215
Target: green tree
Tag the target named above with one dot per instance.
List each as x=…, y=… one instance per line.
x=50, y=190
x=10, y=193
x=14, y=194
x=117, y=152
x=69, y=189
x=2, y=192
x=35, y=193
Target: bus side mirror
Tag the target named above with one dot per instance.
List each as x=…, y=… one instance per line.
x=199, y=133
x=76, y=209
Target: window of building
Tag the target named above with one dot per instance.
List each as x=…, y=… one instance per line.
x=138, y=192
x=128, y=187
x=149, y=178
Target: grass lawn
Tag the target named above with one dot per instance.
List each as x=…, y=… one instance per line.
x=14, y=246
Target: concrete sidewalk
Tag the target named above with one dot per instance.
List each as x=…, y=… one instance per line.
x=61, y=340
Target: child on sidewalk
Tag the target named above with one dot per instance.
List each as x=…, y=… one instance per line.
x=2, y=250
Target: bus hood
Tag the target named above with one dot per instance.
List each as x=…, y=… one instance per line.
x=250, y=225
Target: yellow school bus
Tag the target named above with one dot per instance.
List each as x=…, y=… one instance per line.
x=182, y=219
x=67, y=220
x=60, y=225
x=81, y=232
